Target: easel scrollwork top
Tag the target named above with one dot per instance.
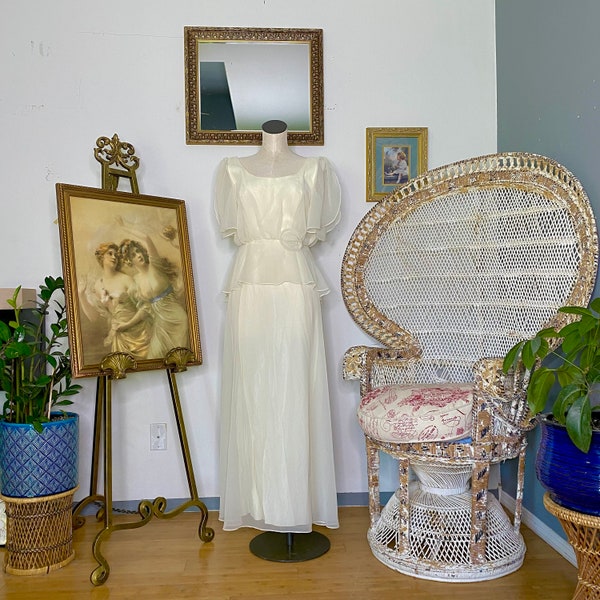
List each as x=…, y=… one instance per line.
x=118, y=160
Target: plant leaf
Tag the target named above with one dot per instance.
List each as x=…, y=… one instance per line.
x=42, y=381
x=4, y=331
x=595, y=304
x=512, y=357
x=528, y=353
x=579, y=423
x=548, y=332
x=565, y=399
x=573, y=342
x=570, y=373
x=575, y=310
x=17, y=349
x=12, y=302
x=540, y=384
x=63, y=402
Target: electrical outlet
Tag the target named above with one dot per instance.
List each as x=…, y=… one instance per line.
x=158, y=436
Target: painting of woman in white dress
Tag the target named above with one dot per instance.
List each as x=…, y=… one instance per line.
x=158, y=290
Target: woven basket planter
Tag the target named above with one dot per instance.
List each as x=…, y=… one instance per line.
x=39, y=533
x=583, y=532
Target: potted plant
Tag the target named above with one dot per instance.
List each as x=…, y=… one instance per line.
x=38, y=440
x=568, y=359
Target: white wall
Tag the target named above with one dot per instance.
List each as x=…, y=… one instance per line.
x=71, y=71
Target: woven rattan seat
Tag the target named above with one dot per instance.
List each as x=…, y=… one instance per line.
x=447, y=273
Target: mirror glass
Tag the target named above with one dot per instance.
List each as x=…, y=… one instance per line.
x=236, y=79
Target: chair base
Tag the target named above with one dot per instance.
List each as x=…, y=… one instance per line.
x=439, y=537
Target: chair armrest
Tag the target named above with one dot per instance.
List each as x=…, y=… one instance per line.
x=504, y=394
x=354, y=362
x=358, y=359
x=359, y=363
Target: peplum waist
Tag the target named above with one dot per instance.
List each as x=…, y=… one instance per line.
x=269, y=262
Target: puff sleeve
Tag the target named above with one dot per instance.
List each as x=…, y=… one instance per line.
x=324, y=207
x=226, y=201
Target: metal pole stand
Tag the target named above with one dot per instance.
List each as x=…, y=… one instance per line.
x=289, y=547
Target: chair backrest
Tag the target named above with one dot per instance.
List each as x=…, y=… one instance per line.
x=468, y=259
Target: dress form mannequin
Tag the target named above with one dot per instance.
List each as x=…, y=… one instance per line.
x=276, y=458
x=275, y=158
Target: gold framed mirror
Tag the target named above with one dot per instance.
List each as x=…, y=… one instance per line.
x=237, y=78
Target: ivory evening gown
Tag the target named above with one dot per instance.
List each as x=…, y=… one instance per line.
x=276, y=461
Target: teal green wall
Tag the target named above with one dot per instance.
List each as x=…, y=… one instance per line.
x=548, y=81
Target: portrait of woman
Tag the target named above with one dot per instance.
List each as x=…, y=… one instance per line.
x=111, y=299
x=158, y=290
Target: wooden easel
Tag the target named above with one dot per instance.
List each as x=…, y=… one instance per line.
x=118, y=160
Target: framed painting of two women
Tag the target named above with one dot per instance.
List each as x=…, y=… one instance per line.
x=128, y=278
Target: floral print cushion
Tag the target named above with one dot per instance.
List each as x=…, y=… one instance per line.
x=417, y=413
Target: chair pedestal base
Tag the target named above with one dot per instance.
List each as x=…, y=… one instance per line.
x=439, y=536
x=289, y=547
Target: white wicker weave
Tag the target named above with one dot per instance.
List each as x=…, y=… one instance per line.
x=448, y=273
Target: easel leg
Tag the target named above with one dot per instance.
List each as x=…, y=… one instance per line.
x=100, y=573
x=206, y=534
x=78, y=520
x=98, y=420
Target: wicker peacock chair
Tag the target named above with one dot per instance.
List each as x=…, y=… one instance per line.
x=448, y=272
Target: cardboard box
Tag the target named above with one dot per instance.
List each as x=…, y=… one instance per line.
x=26, y=299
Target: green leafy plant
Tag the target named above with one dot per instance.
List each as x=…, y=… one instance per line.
x=577, y=373
x=35, y=363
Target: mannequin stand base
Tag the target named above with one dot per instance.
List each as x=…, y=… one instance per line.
x=289, y=547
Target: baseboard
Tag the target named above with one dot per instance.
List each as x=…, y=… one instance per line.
x=542, y=530
x=360, y=498
x=212, y=502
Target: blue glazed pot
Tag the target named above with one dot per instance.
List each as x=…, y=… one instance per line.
x=571, y=476
x=36, y=464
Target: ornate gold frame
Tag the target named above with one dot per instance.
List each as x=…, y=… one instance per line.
x=195, y=36
x=89, y=217
x=415, y=138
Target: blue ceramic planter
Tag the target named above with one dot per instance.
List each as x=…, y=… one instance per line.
x=36, y=464
x=571, y=476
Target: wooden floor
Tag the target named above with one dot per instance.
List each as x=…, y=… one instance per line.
x=165, y=559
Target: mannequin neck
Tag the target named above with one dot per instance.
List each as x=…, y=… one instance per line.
x=274, y=159
x=274, y=143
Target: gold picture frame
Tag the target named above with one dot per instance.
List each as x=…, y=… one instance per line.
x=128, y=277
x=395, y=155
x=237, y=78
